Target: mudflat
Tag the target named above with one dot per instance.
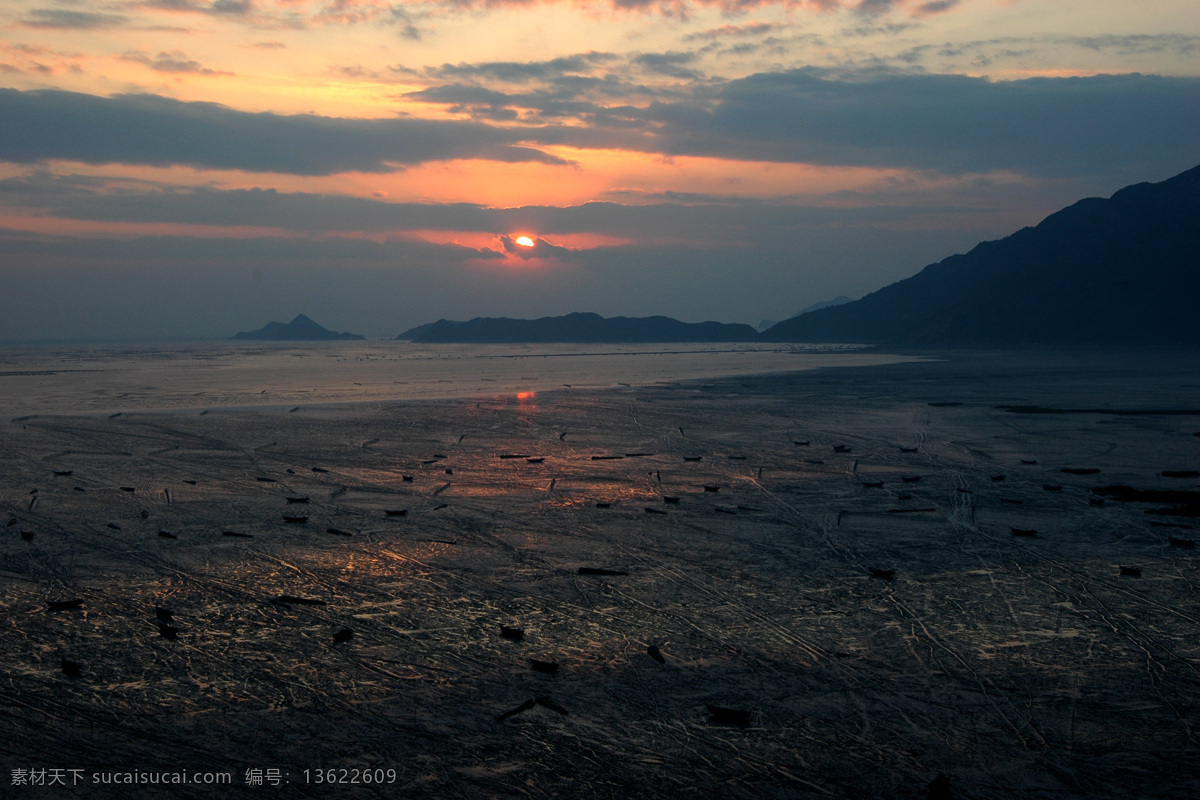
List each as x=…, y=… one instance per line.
x=842, y=582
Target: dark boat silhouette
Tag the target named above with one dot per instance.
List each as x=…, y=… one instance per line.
x=64, y=605
x=546, y=667
x=1132, y=572
x=728, y=716
x=297, y=499
x=882, y=574
x=511, y=633
x=655, y=653
x=291, y=599
x=1176, y=541
x=295, y=519
x=546, y=701
x=601, y=571
x=512, y=712
x=1024, y=531
x=71, y=669
x=344, y=635
x=395, y=512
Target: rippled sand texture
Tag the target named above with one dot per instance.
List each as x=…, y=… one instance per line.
x=1016, y=665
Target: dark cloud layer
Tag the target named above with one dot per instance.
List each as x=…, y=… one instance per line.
x=147, y=129
x=1115, y=125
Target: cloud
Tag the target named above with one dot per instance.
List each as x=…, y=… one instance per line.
x=949, y=123
x=64, y=19
x=147, y=129
x=175, y=61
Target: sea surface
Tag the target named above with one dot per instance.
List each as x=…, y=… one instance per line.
x=128, y=378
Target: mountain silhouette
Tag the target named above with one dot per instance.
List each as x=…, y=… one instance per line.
x=301, y=329
x=1121, y=271
x=577, y=328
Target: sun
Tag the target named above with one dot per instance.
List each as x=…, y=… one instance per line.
x=524, y=241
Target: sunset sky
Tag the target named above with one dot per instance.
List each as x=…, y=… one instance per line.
x=191, y=168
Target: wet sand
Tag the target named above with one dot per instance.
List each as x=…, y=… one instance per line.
x=1015, y=664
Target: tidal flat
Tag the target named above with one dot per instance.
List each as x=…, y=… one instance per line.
x=840, y=582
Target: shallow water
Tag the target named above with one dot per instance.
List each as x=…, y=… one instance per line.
x=108, y=379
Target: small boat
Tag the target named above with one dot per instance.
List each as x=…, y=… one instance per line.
x=728, y=716
x=601, y=571
x=669, y=499
x=167, y=535
x=297, y=499
x=908, y=449
x=656, y=654
x=712, y=488
x=607, y=458
x=545, y=701
x=505, y=456
x=27, y=536
x=535, y=460
x=1023, y=531
x=692, y=458
x=1166, y=473
x=344, y=635
x=71, y=669
x=1028, y=461
x=1176, y=541
x=547, y=667
x=237, y=535
x=649, y=510
x=1079, y=470
x=1132, y=572
x=395, y=512
x=882, y=574
x=911, y=478
x=264, y=479
x=319, y=469
x=64, y=605
x=295, y=519
x=63, y=472
x=841, y=448
x=114, y=526
x=997, y=478
x=801, y=444
x=603, y=505
x=291, y=599
x=512, y=712
x=406, y=478
x=511, y=633
x=338, y=532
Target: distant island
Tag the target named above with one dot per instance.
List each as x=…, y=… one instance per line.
x=301, y=329
x=578, y=328
x=1119, y=272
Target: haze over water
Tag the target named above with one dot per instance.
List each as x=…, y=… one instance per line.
x=95, y=379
